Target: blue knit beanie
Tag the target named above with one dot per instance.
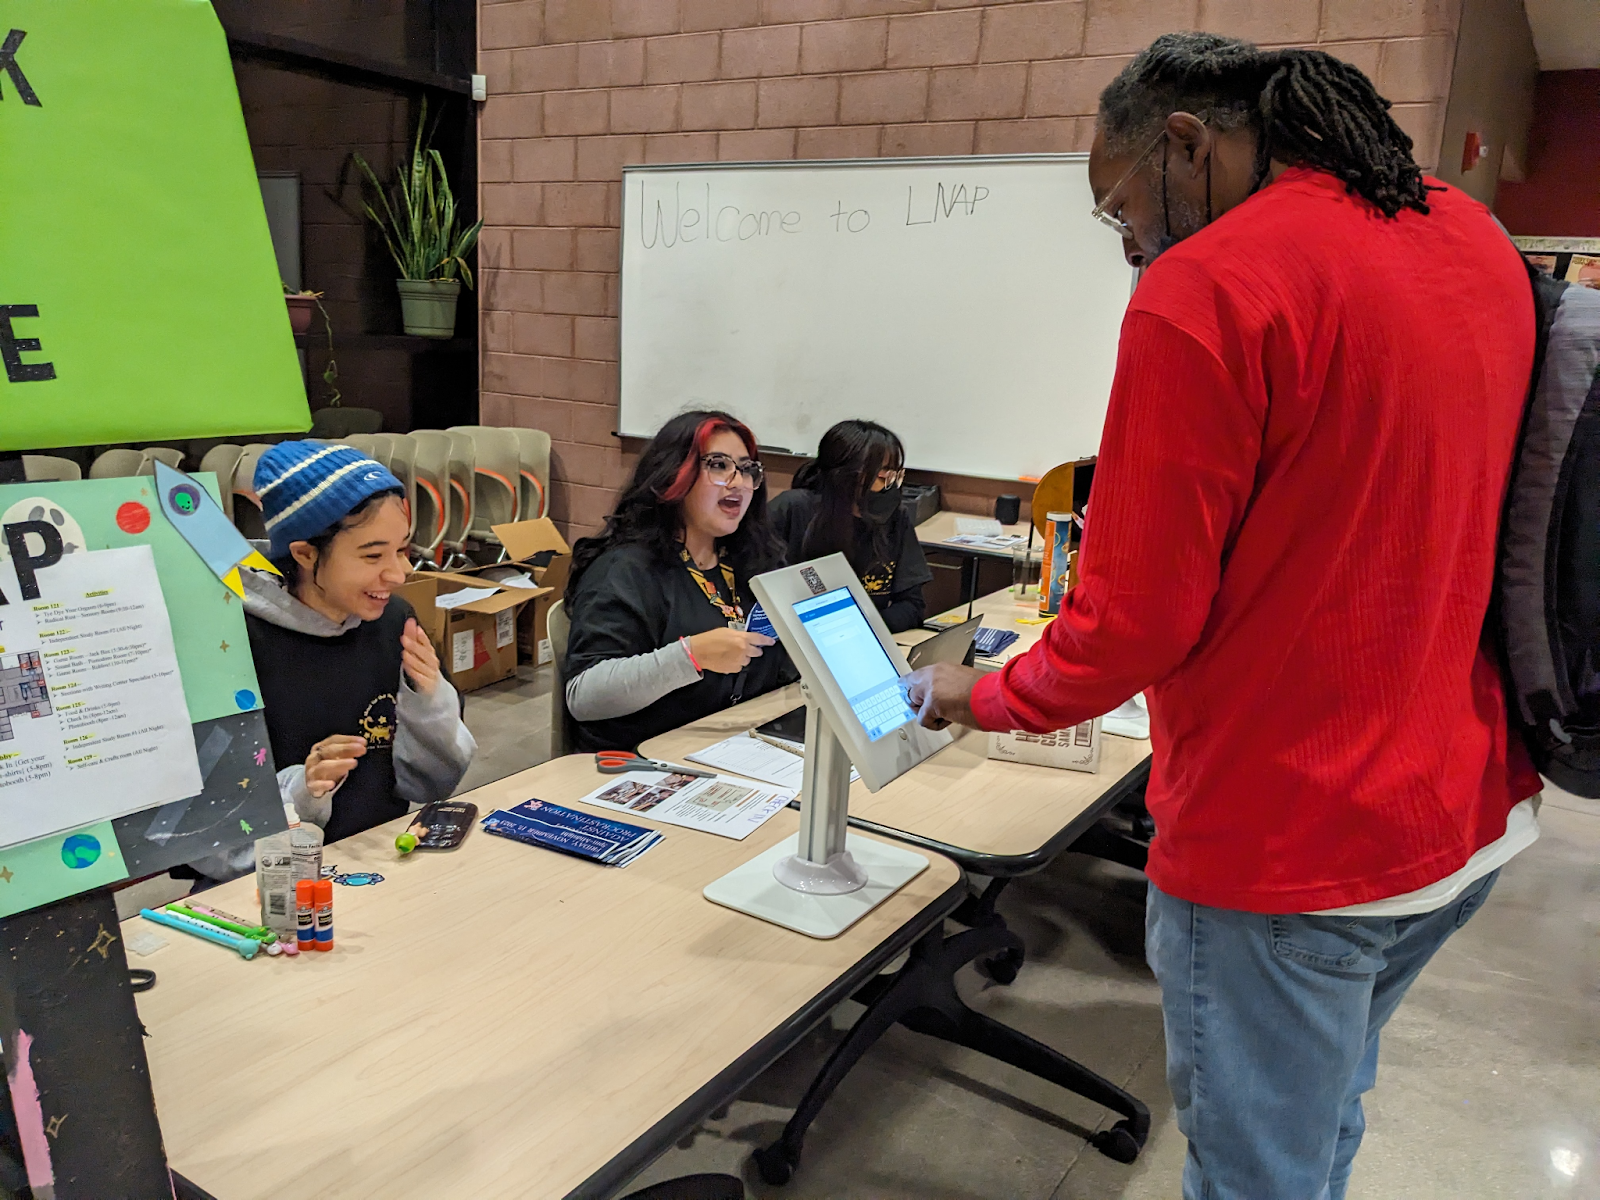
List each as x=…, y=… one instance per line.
x=308, y=487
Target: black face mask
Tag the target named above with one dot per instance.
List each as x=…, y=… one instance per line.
x=880, y=507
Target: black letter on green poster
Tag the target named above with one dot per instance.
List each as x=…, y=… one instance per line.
x=27, y=564
x=8, y=64
x=13, y=347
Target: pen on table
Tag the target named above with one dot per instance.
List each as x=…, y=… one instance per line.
x=246, y=947
x=259, y=933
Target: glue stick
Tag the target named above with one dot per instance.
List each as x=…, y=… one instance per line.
x=322, y=899
x=305, y=929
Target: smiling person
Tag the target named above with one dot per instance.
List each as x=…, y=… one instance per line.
x=361, y=720
x=847, y=501
x=658, y=601
x=1319, y=385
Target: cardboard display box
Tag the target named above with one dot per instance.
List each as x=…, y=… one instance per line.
x=1075, y=749
x=537, y=549
x=476, y=641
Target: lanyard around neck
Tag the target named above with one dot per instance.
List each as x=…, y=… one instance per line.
x=731, y=611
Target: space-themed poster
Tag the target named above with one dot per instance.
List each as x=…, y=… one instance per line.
x=131, y=732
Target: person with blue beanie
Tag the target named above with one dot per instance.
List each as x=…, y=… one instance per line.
x=361, y=721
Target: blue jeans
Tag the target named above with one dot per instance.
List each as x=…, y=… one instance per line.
x=1272, y=1029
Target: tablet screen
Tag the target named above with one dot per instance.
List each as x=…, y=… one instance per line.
x=859, y=663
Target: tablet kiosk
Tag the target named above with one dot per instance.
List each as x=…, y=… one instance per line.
x=823, y=880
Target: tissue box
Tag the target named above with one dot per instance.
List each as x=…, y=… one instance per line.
x=1075, y=749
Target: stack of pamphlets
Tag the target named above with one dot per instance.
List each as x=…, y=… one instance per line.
x=991, y=642
x=612, y=843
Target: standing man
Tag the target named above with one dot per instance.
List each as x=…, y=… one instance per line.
x=1291, y=544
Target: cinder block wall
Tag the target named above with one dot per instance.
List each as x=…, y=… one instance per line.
x=578, y=88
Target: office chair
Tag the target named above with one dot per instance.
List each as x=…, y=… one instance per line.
x=557, y=625
x=46, y=468
x=496, y=479
x=151, y=455
x=431, y=467
x=223, y=462
x=116, y=464
x=533, y=455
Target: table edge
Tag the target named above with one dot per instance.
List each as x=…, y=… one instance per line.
x=1009, y=865
x=739, y=1074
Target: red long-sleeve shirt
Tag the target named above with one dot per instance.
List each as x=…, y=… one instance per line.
x=1290, y=543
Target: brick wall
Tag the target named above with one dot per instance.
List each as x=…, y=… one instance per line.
x=578, y=88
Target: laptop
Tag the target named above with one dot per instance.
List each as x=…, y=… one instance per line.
x=953, y=645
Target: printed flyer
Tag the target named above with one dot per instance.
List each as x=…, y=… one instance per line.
x=93, y=721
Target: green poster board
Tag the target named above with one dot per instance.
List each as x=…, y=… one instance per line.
x=139, y=295
x=239, y=800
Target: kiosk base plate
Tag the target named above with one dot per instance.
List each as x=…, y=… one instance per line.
x=752, y=888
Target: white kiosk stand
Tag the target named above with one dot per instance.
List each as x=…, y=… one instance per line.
x=824, y=879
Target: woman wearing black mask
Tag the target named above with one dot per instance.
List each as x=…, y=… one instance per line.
x=848, y=500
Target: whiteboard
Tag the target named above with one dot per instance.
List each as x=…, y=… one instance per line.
x=970, y=304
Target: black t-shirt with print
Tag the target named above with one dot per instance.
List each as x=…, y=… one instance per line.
x=630, y=601
x=315, y=687
x=894, y=580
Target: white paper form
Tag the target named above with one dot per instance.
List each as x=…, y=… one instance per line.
x=93, y=721
x=756, y=758
x=733, y=808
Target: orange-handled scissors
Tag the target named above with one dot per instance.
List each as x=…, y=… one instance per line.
x=615, y=762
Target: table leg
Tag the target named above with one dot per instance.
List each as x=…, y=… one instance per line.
x=922, y=997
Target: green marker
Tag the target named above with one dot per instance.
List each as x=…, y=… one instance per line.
x=258, y=933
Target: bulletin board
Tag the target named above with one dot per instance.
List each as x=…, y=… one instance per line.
x=140, y=298
x=235, y=798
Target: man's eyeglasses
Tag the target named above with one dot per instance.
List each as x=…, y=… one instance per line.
x=1102, y=211
x=723, y=470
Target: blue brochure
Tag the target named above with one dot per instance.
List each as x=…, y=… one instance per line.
x=759, y=622
x=537, y=823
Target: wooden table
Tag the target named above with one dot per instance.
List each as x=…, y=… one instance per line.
x=935, y=534
x=997, y=819
x=496, y=1020
x=991, y=817
x=938, y=529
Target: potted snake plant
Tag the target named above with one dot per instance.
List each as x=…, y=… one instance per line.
x=418, y=219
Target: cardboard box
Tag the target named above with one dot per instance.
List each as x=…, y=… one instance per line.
x=537, y=548
x=476, y=641
x=1075, y=749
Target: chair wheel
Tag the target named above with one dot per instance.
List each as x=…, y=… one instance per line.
x=1002, y=967
x=1117, y=1143
x=775, y=1164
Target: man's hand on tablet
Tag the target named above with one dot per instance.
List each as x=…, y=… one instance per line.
x=942, y=694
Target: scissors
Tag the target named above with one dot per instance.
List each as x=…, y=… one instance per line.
x=615, y=762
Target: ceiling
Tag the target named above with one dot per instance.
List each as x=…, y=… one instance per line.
x=1566, y=33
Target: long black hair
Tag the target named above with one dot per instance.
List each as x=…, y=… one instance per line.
x=650, y=510
x=848, y=460
x=1306, y=107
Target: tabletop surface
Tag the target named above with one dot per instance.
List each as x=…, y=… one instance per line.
x=939, y=528
x=959, y=797
x=497, y=1020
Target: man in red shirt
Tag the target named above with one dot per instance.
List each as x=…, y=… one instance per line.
x=1290, y=543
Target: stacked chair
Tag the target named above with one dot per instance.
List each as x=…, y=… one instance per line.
x=459, y=482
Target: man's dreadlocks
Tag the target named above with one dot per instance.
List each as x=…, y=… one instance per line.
x=1307, y=109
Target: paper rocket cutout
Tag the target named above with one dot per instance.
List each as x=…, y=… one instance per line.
x=197, y=517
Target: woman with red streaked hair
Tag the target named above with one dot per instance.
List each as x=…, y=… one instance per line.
x=659, y=599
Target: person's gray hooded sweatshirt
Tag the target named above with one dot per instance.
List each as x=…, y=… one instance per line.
x=432, y=746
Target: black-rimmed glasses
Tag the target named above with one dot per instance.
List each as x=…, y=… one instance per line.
x=723, y=469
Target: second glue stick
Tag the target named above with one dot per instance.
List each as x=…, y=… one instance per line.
x=322, y=902
x=305, y=929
